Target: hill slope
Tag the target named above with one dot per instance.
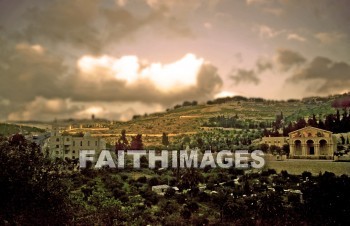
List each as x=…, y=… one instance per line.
x=189, y=119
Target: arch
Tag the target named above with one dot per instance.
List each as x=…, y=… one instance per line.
x=310, y=147
x=297, y=147
x=323, y=147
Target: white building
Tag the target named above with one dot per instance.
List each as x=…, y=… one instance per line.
x=62, y=146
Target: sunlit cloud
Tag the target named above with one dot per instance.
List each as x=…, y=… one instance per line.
x=296, y=37
x=265, y=31
x=33, y=48
x=226, y=94
x=329, y=37
x=165, y=77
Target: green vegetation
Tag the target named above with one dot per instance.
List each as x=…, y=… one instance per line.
x=10, y=129
x=37, y=191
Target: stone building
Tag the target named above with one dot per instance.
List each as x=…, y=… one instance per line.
x=63, y=146
x=307, y=143
x=311, y=142
x=278, y=141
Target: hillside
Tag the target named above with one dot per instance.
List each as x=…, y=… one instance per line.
x=9, y=129
x=190, y=119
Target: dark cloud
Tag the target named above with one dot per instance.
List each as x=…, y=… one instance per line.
x=45, y=109
x=263, y=65
x=67, y=21
x=251, y=76
x=92, y=25
x=329, y=76
x=288, y=59
x=26, y=71
x=245, y=76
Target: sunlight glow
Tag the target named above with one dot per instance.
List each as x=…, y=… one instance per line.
x=177, y=75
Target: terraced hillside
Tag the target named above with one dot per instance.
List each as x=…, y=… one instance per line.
x=190, y=119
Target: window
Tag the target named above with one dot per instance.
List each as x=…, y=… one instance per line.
x=88, y=143
x=67, y=139
x=57, y=146
x=73, y=151
x=66, y=152
x=81, y=143
x=57, y=152
x=95, y=143
x=73, y=157
x=73, y=143
x=57, y=139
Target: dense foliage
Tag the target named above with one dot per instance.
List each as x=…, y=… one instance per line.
x=37, y=191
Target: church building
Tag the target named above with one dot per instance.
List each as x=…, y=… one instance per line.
x=311, y=142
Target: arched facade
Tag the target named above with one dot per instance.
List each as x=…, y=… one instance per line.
x=311, y=142
x=297, y=147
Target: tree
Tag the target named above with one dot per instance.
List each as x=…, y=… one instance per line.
x=190, y=179
x=220, y=199
x=165, y=139
x=312, y=121
x=122, y=143
x=186, y=140
x=301, y=123
x=33, y=189
x=264, y=147
x=286, y=149
x=136, y=142
x=169, y=193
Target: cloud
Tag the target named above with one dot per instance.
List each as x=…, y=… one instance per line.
x=296, y=37
x=182, y=6
x=274, y=11
x=92, y=25
x=56, y=108
x=4, y=102
x=178, y=4
x=263, y=64
x=50, y=109
x=130, y=79
x=223, y=94
x=245, y=76
x=330, y=37
x=45, y=109
x=208, y=25
x=121, y=2
x=265, y=31
x=28, y=71
x=286, y=59
x=251, y=75
x=327, y=76
x=131, y=70
x=67, y=21
x=32, y=76
x=258, y=2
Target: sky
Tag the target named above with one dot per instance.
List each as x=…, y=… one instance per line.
x=118, y=58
